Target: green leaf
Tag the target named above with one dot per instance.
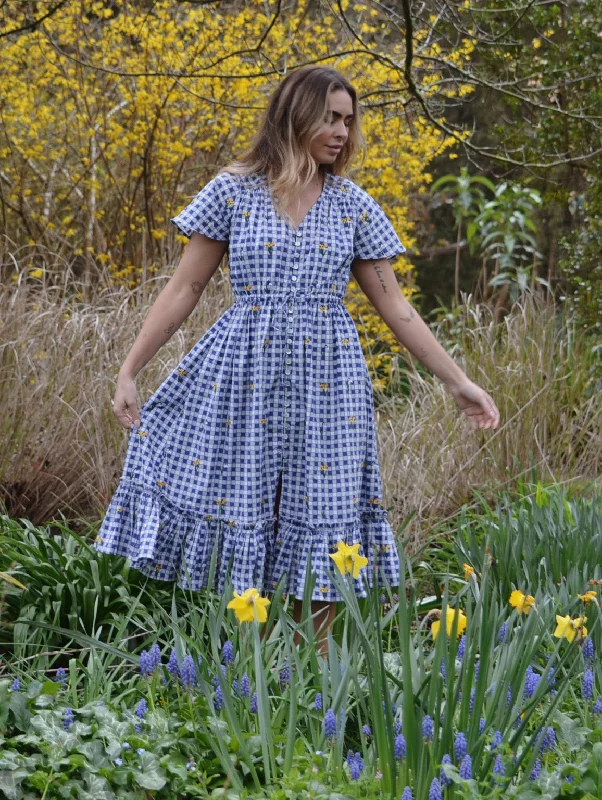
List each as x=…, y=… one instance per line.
x=571, y=732
x=152, y=776
x=10, y=783
x=20, y=711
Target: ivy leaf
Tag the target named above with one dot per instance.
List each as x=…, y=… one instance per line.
x=20, y=711
x=152, y=776
x=570, y=732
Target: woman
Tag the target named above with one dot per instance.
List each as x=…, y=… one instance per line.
x=262, y=442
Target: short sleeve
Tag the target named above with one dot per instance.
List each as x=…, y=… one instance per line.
x=374, y=236
x=210, y=213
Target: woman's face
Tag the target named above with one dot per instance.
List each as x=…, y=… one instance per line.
x=326, y=146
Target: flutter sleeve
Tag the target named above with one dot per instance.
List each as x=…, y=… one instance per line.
x=374, y=235
x=210, y=213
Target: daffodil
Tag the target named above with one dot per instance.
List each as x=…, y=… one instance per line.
x=249, y=606
x=522, y=602
x=567, y=628
x=348, y=559
x=588, y=596
x=449, y=621
x=468, y=571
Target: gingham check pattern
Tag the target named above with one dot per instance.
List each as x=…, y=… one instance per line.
x=279, y=382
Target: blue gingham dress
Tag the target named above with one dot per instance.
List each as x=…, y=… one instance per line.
x=278, y=385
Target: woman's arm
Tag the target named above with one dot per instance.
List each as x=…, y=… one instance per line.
x=174, y=304
x=377, y=280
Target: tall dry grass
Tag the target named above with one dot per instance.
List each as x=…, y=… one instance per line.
x=62, y=450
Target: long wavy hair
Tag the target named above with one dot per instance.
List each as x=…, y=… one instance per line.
x=296, y=113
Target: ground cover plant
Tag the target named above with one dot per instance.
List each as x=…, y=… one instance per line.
x=479, y=692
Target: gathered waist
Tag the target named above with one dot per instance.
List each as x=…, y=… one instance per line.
x=327, y=296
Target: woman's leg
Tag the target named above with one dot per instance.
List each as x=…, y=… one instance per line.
x=323, y=614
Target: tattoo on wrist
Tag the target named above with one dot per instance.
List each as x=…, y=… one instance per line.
x=197, y=287
x=170, y=327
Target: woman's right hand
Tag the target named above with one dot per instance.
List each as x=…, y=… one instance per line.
x=125, y=403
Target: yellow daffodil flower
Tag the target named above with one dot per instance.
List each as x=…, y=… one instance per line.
x=348, y=558
x=588, y=596
x=468, y=571
x=449, y=621
x=522, y=602
x=567, y=628
x=249, y=606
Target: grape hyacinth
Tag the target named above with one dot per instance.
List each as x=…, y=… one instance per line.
x=228, y=652
x=356, y=765
x=188, y=672
x=461, y=647
x=499, y=768
x=460, y=747
x=597, y=709
x=548, y=739
x=145, y=664
x=497, y=740
x=466, y=768
x=285, y=675
x=245, y=686
x=400, y=747
x=155, y=657
x=502, y=633
x=61, y=675
x=330, y=724
x=68, y=718
x=473, y=692
x=428, y=727
x=477, y=667
x=536, y=770
x=445, y=781
x=587, y=687
x=588, y=649
x=172, y=665
x=15, y=685
x=254, y=703
x=482, y=724
x=531, y=683
x=407, y=794
x=443, y=671
x=366, y=730
x=397, y=727
x=435, y=791
x=509, y=697
x=141, y=709
x=235, y=687
x=219, y=698
x=318, y=702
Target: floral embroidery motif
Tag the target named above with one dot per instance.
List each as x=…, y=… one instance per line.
x=346, y=220
x=364, y=216
x=215, y=385
x=231, y=523
x=334, y=286
x=221, y=501
x=208, y=517
x=196, y=462
x=248, y=287
x=228, y=422
x=120, y=509
x=157, y=567
x=355, y=499
x=266, y=342
x=99, y=539
x=324, y=589
x=182, y=372
x=251, y=387
x=323, y=467
x=352, y=419
x=161, y=484
x=375, y=501
x=263, y=420
x=322, y=247
x=255, y=308
x=142, y=434
x=323, y=309
x=246, y=214
x=344, y=189
x=270, y=246
x=230, y=201
x=324, y=386
x=307, y=340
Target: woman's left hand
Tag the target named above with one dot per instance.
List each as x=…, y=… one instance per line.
x=476, y=404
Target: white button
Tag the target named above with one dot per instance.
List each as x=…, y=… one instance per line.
x=294, y=278
x=287, y=372
x=298, y=233
x=298, y=242
x=289, y=351
x=295, y=266
x=289, y=341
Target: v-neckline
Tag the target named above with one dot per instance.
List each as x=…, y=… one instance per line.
x=297, y=228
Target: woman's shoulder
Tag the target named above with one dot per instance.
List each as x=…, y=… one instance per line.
x=237, y=180
x=346, y=189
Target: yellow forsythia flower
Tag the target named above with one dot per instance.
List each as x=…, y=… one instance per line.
x=567, y=628
x=523, y=603
x=449, y=621
x=348, y=559
x=249, y=606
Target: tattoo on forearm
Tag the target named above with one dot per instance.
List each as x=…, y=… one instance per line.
x=170, y=327
x=423, y=354
x=382, y=283
x=410, y=317
x=197, y=287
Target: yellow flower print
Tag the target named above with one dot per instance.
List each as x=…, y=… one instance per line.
x=249, y=606
x=251, y=387
x=196, y=462
x=364, y=216
x=323, y=467
x=324, y=589
x=228, y=422
x=266, y=342
x=246, y=214
x=255, y=308
x=323, y=309
x=230, y=201
x=182, y=372
x=322, y=247
x=345, y=341
x=231, y=523
x=208, y=517
x=344, y=189
x=142, y=434
x=352, y=419
x=362, y=464
x=307, y=340
x=270, y=246
x=324, y=386
x=215, y=384
x=263, y=420
x=99, y=539
x=355, y=499
x=334, y=286
x=248, y=287
x=348, y=559
x=523, y=603
x=161, y=484
x=221, y=501
x=119, y=509
x=346, y=220
x=157, y=567
x=375, y=501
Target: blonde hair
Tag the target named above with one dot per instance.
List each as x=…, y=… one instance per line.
x=295, y=114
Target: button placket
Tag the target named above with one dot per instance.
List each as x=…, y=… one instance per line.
x=287, y=383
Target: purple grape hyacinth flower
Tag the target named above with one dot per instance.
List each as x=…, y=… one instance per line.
x=188, y=672
x=68, y=718
x=15, y=685
x=461, y=647
x=435, y=791
x=366, y=730
x=407, y=794
x=443, y=671
x=482, y=724
x=445, y=781
x=285, y=676
x=536, y=770
x=219, y=698
x=428, y=727
x=155, y=657
x=330, y=724
x=173, y=666
x=400, y=747
x=228, y=652
x=548, y=739
x=318, y=702
x=61, y=675
x=356, y=765
x=497, y=740
x=499, y=768
x=397, y=727
x=145, y=664
x=588, y=649
x=502, y=633
x=597, y=709
x=254, y=703
x=466, y=768
x=460, y=747
x=473, y=693
x=531, y=683
x=587, y=687
x=235, y=687
x=245, y=686
x=141, y=709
